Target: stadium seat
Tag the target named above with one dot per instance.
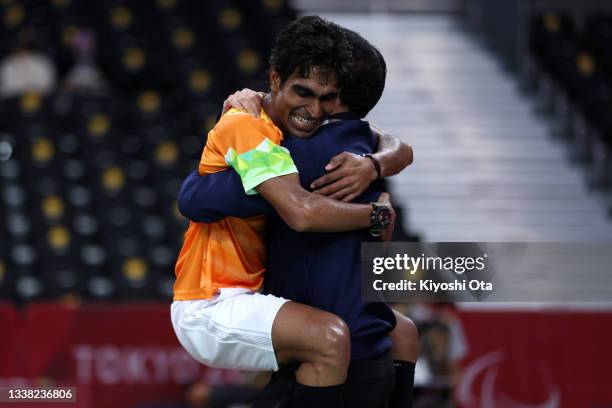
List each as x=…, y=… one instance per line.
x=579, y=61
x=88, y=183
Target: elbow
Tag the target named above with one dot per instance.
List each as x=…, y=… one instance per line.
x=301, y=217
x=186, y=206
x=182, y=203
x=298, y=226
x=407, y=154
x=184, y=197
x=298, y=221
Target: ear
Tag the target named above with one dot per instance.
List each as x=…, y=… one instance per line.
x=274, y=79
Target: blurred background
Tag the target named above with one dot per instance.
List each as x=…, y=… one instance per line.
x=104, y=109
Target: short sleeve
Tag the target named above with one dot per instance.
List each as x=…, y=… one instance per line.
x=251, y=146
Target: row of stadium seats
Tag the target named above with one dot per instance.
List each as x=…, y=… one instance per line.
x=580, y=62
x=133, y=127
x=192, y=95
x=88, y=182
x=137, y=39
x=91, y=226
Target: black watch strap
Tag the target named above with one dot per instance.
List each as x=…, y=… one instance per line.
x=376, y=164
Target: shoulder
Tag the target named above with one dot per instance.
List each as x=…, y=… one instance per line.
x=236, y=120
x=346, y=132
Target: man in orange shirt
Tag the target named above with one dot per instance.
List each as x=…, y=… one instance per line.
x=218, y=315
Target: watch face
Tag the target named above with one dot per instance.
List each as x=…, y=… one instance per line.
x=381, y=217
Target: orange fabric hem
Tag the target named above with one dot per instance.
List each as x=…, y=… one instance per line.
x=207, y=294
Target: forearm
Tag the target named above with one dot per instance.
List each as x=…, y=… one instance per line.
x=304, y=211
x=215, y=196
x=392, y=154
x=322, y=214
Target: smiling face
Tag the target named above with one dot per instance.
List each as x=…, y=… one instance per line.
x=300, y=104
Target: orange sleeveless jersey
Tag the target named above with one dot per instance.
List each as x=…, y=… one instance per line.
x=231, y=252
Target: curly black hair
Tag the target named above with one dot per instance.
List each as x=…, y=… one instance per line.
x=311, y=42
x=364, y=86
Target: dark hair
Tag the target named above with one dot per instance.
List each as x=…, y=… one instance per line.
x=365, y=83
x=310, y=42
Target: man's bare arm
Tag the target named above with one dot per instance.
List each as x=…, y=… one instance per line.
x=246, y=100
x=304, y=211
x=392, y=154
x=349, y=175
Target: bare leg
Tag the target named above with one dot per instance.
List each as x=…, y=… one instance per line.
x=405, y=339
x=404, y=351
x=318, y=339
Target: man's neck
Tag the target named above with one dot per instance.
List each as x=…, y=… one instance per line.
x=266, y=104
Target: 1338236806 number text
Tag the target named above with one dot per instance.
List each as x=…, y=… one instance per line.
x=40, y=394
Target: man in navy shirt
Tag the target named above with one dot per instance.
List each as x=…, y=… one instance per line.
x=322, y=269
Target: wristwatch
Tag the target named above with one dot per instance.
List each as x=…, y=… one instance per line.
x=380, y=218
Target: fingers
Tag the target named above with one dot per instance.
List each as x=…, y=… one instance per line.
x=334, y=182
x=244, y=104
x=246, y=100
x=387, y=235
x=252, y=107
x=384, y=198
x=330, y=189
x=349, y=198
x=232, y=102
x=349, y=175
x=391, y=228
x=227, y=105
x=251, y=101
x=340, y=194
x=343, y=190
x=325, y=180
x=336, y=161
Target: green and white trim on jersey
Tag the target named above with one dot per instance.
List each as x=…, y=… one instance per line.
x=268, y=160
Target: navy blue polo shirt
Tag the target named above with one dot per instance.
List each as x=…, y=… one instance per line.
x=318, y=269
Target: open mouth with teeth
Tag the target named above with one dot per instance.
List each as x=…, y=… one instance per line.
x=302, y=123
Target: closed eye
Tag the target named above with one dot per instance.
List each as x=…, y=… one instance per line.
x=329, y=97
x=302, y=92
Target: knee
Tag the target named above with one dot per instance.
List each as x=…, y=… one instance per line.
x=405, y=338
x=407, y=329
x=334, y=346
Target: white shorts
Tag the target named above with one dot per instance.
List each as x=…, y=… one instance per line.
x=231, y=330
